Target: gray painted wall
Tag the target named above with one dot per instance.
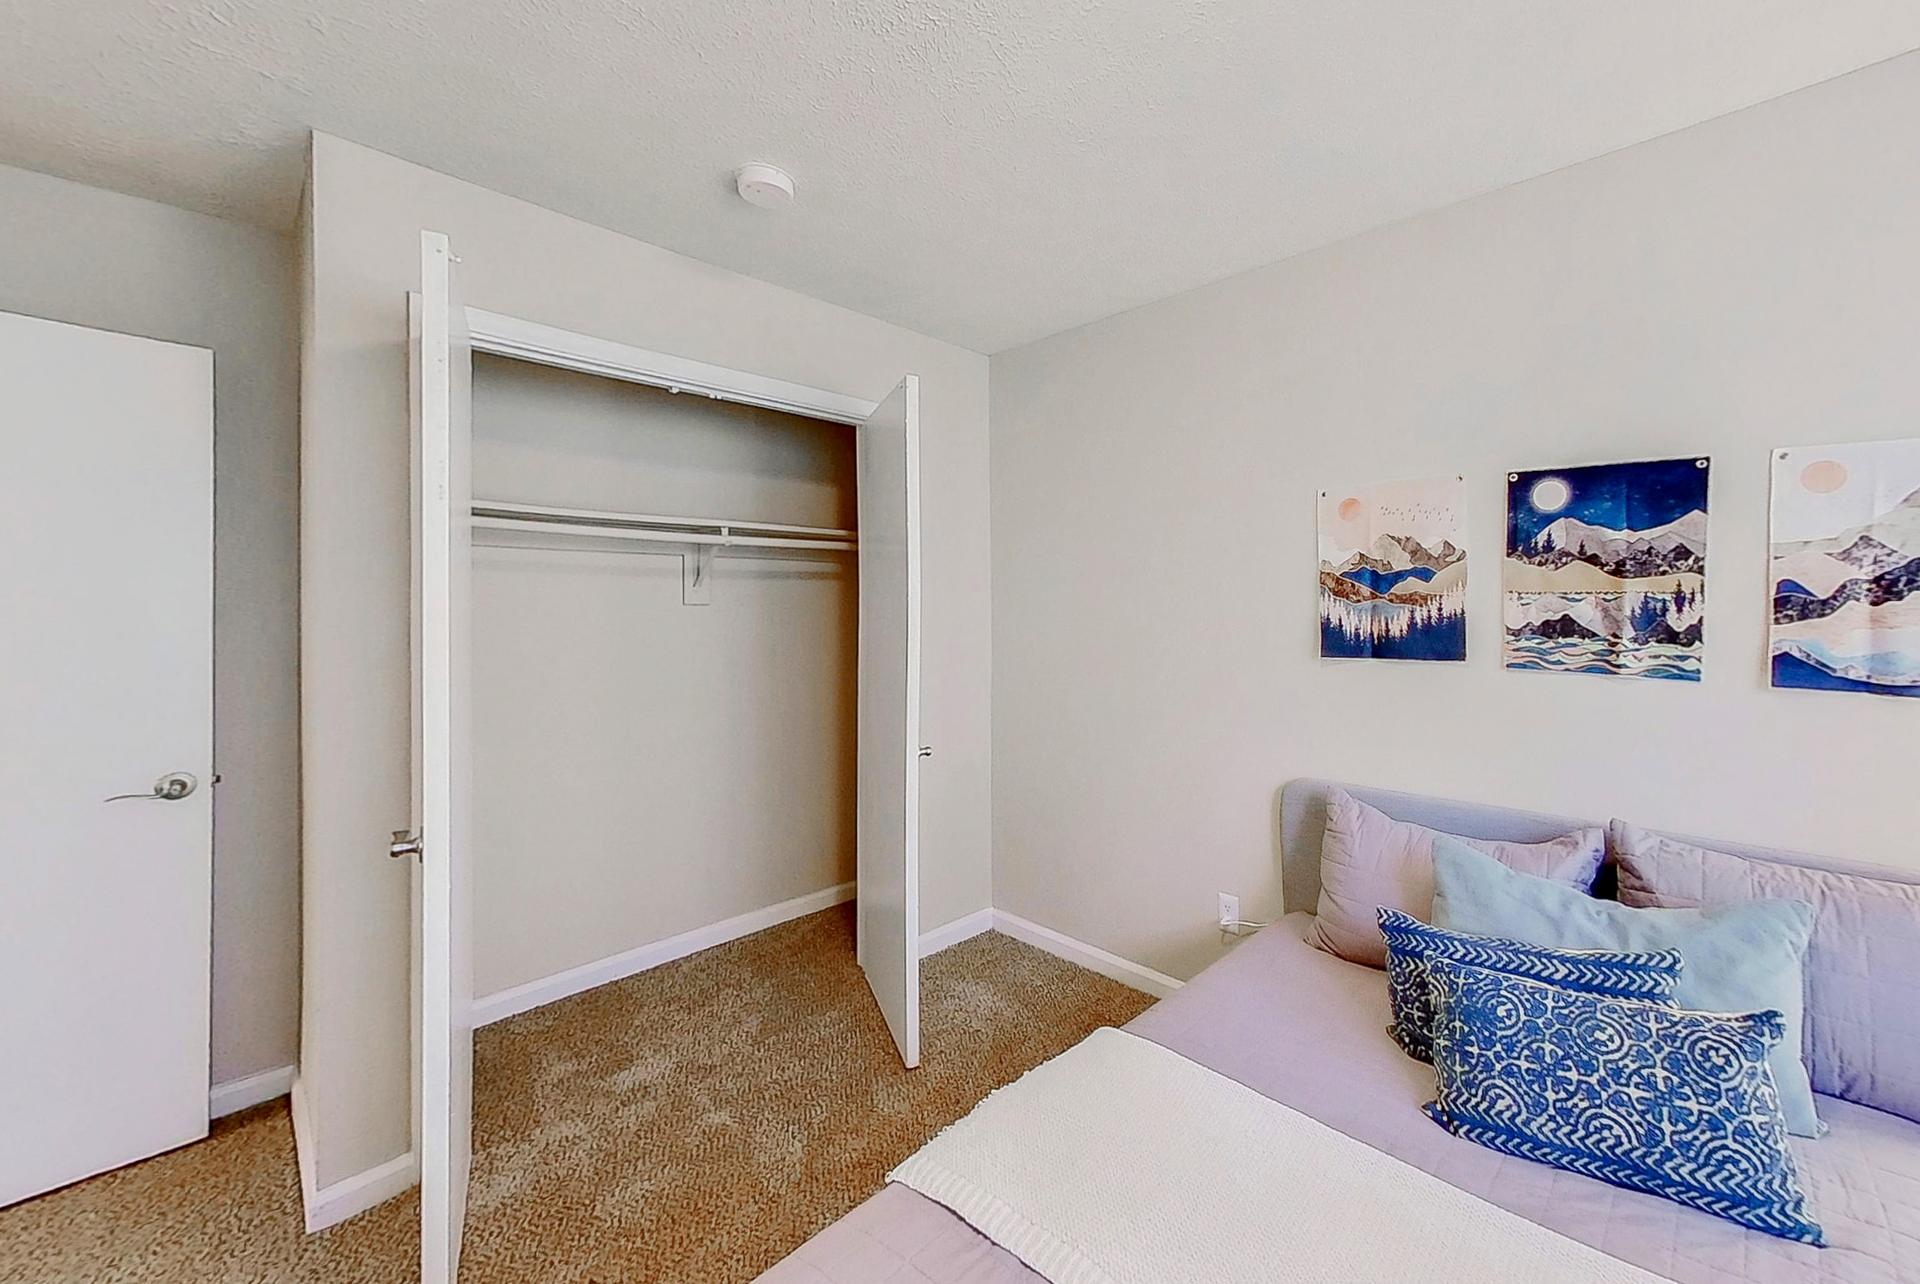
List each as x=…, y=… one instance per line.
x=643, y=767
x=365, y=219
x=1748, y=283
x=94, y=258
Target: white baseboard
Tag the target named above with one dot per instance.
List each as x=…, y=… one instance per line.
x=955, y=932
x=332, y=1204
x=523, y=998
x=1091, y=957
x=351, y=1196
x=238, y=1094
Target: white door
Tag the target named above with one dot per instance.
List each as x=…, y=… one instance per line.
x=889, y=734
x=106, y=688
x=442, y=410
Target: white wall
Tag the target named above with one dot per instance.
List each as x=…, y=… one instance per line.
x=643, y=767
x=94, y=258
x=1748, y=283
x=367, y=212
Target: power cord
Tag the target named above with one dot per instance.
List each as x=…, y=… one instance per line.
x=1236, y=927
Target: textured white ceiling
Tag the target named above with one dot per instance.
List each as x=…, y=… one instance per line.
x=988, y=171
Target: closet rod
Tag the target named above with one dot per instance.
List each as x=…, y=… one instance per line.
x=544, y=514
x=722, y=538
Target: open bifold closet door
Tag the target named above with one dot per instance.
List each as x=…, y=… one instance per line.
x=887, y=749
x=888, y=929
x=443, y=430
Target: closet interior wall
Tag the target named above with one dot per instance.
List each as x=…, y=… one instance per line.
x=643, y=767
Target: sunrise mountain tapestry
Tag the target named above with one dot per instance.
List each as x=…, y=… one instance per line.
x=1393, y=571
x=1845, y=568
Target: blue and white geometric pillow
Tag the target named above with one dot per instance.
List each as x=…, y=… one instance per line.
x=1410, y=944
x=1657, y=1099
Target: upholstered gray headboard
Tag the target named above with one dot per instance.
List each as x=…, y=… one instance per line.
x=1303, y=818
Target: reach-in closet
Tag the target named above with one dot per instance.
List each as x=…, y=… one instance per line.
x=667, y=679
x=665, y=617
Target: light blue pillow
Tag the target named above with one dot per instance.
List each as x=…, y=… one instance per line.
x=1739, y=958
x=1674, y=1103
x=1411, y=944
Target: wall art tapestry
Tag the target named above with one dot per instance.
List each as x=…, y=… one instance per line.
x=1606, y=569
x=1846, y=567
x=1393, y=571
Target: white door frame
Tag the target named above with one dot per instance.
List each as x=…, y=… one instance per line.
x=502, y=335
x=505, y=336
x=523, y=340
x=508, y=336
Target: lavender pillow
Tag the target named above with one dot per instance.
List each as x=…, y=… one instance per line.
x=1862, y=1032
x=1369, y=860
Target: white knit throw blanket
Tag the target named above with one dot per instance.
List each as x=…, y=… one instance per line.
x=1119, y=1162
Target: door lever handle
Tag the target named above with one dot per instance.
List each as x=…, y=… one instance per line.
x=404, y=844
x=171, y=787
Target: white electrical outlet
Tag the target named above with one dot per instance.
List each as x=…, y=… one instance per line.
x=1229, y=912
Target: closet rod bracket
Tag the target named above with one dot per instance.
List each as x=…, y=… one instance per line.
x=696, y=575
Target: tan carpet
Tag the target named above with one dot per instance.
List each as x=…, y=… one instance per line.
x=694, y=1123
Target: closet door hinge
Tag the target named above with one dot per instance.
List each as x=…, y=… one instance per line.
x=404, y=844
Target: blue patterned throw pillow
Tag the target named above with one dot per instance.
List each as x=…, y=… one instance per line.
x=1748, y=957
x=1411, y=944
x=1674, y=1103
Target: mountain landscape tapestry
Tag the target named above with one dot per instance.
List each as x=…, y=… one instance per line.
x=1846, y=568
x=1606, y=569
x=1393, y=571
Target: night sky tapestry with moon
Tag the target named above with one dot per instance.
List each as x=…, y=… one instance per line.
x=1846, y=568
x=1605, y=570
x=1393, y=571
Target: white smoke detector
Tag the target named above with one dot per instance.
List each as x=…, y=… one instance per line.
x=768, y=186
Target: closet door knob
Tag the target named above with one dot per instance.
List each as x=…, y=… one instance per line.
x=926, y=751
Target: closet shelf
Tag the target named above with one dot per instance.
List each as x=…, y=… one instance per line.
x=715, y=532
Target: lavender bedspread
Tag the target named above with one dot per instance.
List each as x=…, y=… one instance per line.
x=1305, y=1028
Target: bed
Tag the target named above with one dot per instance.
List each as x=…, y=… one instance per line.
x=1306, y=1029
